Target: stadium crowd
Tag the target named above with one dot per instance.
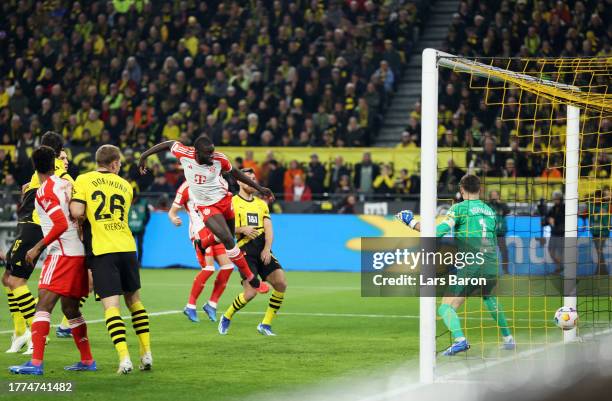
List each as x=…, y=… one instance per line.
x=270, y=73
x=469, y=118
x=246, y=73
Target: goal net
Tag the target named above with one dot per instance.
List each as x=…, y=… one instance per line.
x=538, y=134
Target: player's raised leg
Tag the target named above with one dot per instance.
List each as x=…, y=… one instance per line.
x=221, y=229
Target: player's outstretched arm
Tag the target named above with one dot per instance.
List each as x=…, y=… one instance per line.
x=173, y=215
x=240, y=176
x=407, y=217
x=160, y=147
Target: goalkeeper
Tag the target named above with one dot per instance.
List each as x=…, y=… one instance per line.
x=474, y=219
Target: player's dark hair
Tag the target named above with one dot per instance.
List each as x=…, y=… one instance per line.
x=43, y=159
x=54, y=141
x=106, y=154
x=470, y=184
x=202, y=142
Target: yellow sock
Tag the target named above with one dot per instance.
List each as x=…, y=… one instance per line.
x=140, y=322
x=27, y=304
x=276, y=300
x=116, y=329
x=238, y=303
x=19, y=323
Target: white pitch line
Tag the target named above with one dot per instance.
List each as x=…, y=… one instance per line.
x=313, y=314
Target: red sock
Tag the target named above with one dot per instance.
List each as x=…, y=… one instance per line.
x=79, y=333
x=220, y=283
x=237, y=257
x=40, y=330
x=198, y=284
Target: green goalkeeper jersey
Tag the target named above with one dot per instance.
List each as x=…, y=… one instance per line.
x=469, y=219
x=474, y=222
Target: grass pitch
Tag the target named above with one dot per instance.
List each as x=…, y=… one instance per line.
x=325, y=330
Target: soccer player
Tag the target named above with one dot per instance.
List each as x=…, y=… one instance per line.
x=203, y=167
x=471, y=218
x=15, y=279
x=64, y=275
x=102, y=202
x=255, y=236
x=205, y=258
x=63, y=329
x=599, y=225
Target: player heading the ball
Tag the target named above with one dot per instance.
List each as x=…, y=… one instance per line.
x=203, y=167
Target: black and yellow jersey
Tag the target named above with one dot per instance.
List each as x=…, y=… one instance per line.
x=26, y=212
x=107, y=198
x=250, y=213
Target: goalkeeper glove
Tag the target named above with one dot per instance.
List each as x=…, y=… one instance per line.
x=407, y=217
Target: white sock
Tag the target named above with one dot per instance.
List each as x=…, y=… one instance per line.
x=213, y=304
x=190, y=306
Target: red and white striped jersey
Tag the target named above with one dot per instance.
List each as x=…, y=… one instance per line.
x=206, y=183
x=52, y=197
x=184, y=199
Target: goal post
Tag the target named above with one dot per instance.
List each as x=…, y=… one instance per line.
x=429, y=190
x=546, y=88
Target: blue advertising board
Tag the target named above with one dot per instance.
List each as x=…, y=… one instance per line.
x=327, y=242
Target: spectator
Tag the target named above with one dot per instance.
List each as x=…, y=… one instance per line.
x=344, y=186
x=315, y=178
x=490, y=160
x=384, y=182
x=365, y=174
x=348, y=205
x=355, y=135
x=407, y=141
x=298, y=191
x=137, y=220
x=275, y=179
x=338, y=170
x=402, y=182
x=293, y=170
x=386, y=77
x=249, y=162
x=449, y=178
x=160, y=184
x=501, y=226
x=521, y=163
x=509, y=170
x=599, y=226
x=551, y=172
x=555, y=219
x=9, y=198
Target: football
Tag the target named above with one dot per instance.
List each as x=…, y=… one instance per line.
x=566, y=318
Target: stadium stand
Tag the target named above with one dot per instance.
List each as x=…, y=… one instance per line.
x=516, y=29
x=266, y=73
x=246, y=73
